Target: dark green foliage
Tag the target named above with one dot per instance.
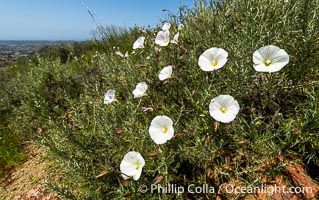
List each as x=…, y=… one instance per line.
x=11, y=145
x=11, y=141
x=57, y=51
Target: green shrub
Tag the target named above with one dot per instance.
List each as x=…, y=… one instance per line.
x=278, y=111
x=11, y=144
x=11, y=141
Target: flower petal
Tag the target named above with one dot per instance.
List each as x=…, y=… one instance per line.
x=277, y=58
x=162, y=38
x=165, y=73
x=140, y=90
x=109, y=96
x=175, y=39
x=258, y=58
x=229, y=105
x=205, y=64
x=156, y=129
x=216, y=114
x=234, y=107
x=170, y=133
x=139, y=43
x=221, y=63
x=221, y=54
x=166, y=26
x=128, y=165
x=225, y=100
x=281, y=56
x=261, y=67
x=212, y=55
x=158, y=139
x=228, y=117
x=137, y=174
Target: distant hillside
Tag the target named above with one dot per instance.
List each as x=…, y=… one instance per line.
x=13, y=50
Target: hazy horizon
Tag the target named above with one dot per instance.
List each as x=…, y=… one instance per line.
x=58, y=20
x=39, y=40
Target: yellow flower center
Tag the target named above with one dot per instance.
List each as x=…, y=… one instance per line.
x=214, y=63
x=166, y=41
x=223, y=109
x=267, y=62
x=164, y=129
x=137, y=165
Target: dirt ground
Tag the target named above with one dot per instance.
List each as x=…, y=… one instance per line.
x=27, y=182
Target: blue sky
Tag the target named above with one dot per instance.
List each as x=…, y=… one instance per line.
x=69, y=19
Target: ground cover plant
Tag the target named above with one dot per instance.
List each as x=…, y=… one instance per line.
x=222, y=94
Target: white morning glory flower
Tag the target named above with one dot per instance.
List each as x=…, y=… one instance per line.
x=212, y=59
x=139, y=43
x=109, y=96
x=175, y=39
x=162, y=38
x=132, y=165
x=224, y=108
x=166, y=26
x=270, y=59
x=161, y=129
x=165, y=73
x=140, y=90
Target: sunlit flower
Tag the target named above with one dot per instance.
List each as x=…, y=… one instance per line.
x=139, y=43
x=270, y=59
x=140, y=90
x=175, y=39
x=109, y=96
x=166, y=26
x=180, y=27
x=161, y=129
x=212, y=59
x=224, y=108
x=131, y=165
x=162, y=38
x=165, y=73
